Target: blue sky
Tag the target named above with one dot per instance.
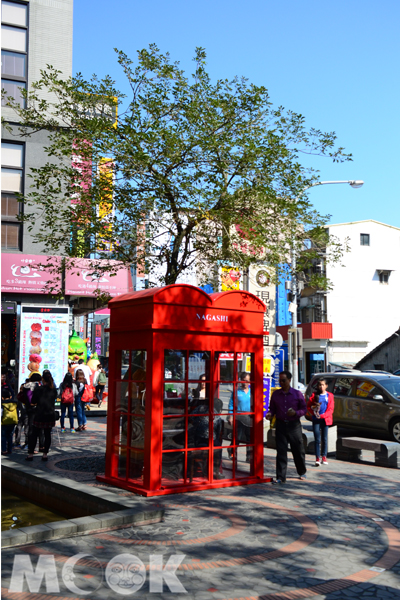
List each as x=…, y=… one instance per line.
x=335, y=62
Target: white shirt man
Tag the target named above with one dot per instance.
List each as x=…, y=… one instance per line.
x=86, y=371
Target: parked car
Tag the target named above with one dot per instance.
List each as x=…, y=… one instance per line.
x=364, y=400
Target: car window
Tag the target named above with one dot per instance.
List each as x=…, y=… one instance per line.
x=343, y=386
x=392, y=386
x=366, y=389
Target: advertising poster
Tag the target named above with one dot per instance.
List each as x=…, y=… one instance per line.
x=266, y=394
x=230, y=279
x=44, y=334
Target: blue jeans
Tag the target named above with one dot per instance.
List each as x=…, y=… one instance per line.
x=64, y=409
x=320, y=429
x=80, y=411
x=6, y=438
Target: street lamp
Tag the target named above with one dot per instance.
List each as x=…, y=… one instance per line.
x=294, y=361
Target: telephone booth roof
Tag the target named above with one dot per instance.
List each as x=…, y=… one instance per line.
x=235, y=311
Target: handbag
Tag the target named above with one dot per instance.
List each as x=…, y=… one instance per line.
x=56, y=415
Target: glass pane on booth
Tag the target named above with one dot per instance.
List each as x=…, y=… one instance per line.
x=244, y=466
x=120, y=454
x=223, y=391
x=199, y=431
x=136, y=465
x=137, y=432
x=138, y=365
x=224, y=366
x=222, y=430
x=124, y=365
x=199, y=365
x=173, y=433
x=138, y=397
x=222, y=465
x=173, y=467
x=245, y=366
x=242, y=398
x=121, y=437
x=174, y=398
x=244, y=427
x=197, y=466
x=175, y=364
x=199, y=396
x=121, y=396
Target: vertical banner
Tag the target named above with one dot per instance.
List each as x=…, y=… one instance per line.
x=97, y=340
x=279, y=358
x=44, y=334
x=266, y=393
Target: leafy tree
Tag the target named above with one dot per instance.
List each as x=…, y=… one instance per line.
x=204, y=173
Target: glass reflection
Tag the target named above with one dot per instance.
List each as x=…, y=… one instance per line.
x=245, y=365
x=173, y=433
x=223, y=392
x=199, y=396
x=174, y=398
x=122, y=435
x=241, y=399
x=121, y=396
x=121, y=456
x=197, y=465
x=173, y=465
x=138, y=397
x=224, y=364
x=124, y=364
x=138, y=365
x=199, y=365
x=175, y=364
x=136, y=465
x=137, y=432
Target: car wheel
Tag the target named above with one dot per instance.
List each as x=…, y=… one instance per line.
x=395, y=430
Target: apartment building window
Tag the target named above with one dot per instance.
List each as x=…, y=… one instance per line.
x=364, y=239
x=12, y=169
x=14, y=49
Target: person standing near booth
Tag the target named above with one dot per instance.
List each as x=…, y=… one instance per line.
x=321, y=406
x=288, y=406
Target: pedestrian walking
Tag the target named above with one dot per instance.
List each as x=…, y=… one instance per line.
x=22, y=425
x=99, y=382
x=82, y=386
x=288, y=406
x=44, y=397
x=9, y=419
x=34, y=381
x=321, y=406
x=67, y=393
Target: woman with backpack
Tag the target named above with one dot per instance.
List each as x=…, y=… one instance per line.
x=84, y=394
x=67, y=393
x=45, y=398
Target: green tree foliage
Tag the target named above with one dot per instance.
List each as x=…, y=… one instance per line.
x=204, y=173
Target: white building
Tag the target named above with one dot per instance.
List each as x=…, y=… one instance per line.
x=364, y=305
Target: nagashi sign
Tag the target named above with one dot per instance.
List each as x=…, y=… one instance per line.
x=44, y=341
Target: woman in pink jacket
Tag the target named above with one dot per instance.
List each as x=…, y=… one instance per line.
x=320, y=406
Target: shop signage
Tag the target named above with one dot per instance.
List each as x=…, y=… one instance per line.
x=83, y=280
x=27, y=274
x=44, y=334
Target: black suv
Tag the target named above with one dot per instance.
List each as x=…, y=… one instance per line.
x=363, y=400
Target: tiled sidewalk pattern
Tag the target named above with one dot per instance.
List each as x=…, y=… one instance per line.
x=335, y=536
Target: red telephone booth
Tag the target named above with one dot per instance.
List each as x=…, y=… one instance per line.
x=185, y=409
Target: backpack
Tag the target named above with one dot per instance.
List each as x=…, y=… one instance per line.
x=87, y=395
x=67, y=396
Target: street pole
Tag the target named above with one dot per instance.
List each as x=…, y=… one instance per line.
x=294, y=358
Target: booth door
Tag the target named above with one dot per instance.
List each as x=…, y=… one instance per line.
x=208, y=417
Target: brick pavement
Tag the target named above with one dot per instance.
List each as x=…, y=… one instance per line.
x=335, y=536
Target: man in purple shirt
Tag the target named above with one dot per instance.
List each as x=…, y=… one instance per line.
x=288, y=406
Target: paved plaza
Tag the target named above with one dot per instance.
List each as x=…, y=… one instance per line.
x=334, y=536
